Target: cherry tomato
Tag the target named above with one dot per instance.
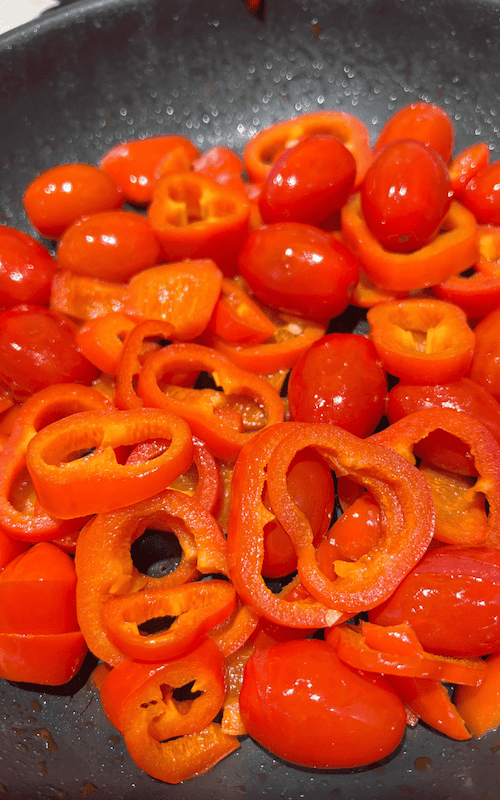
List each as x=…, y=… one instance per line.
x=306, y=706
x=308, y=182
x=452, y=601
x=481, y=195
x=63, y=194
x=426, y=122
x=339, y=380
x=111, y=246
x=37, y=349
x=299, y=269
x=440, y=447
x=405, y=195
x=137, y=165
x=38, y=592
x=485, y=367
x=26, y=269
x=311, y=486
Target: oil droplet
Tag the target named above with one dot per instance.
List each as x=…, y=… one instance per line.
x=423, y=763
x=47, y=737
x=35, y=705
x=88, y=788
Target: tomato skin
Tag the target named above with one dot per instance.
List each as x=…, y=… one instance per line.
x=452, y=601
x=111, y=246
x=37, y=349
x=405, y=195
x=304, y=705
x=308, y=182
x=481, y=195
x=61, y=195
x=339, y=380
x=26, y=269
x=299, y=269
x=426, y=122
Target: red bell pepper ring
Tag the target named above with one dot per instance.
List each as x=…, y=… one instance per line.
x=197, y=608
x=104, y=563
x=74, y=466
x=129, y=365
x=194, y=216
x=21, y=520
x=264, y=148
x=467, y=164
x=404, y=434
x=396, y=650
x=422, y=340
x=407, y=516
x=172, y=740
x=217, y=418
x=245, y=539
x=453, y=250
x=101, y=339
x=235, y=632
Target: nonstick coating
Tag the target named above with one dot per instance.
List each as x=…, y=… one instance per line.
x=93, y=73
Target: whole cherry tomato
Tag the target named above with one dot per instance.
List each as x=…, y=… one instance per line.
x=440, y=447
x=63, y=194
x=38, y=349
x=299, y=269
x=481, y=195
x=451, y=598
x=111, y=246
x=405, y=195
x=308, y=182
x=26, y=269
x=306, y=706
x=426, y=122
x=339, y=380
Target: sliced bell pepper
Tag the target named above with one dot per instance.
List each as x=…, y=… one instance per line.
x=10, y=548
x=235, y=632
x=452, y=251
x=366, y=294
x=238, y=318
x=466, y=164
x=231, y=722
x=430, y=701
x=264, y=148
x=171, y=739
x=193, y=610
x=355, y=533
x=82, y=297
x=101, y=339
x=221, y=419
x=105, y=567
x=477, y=294
x=183, y=294
x=293, y=337
x=129, y=365
x=396, y=650
x=404, y=434
x=194, y=216
x=74, y=466
x=220, y=163
x=21, y=515
x=479, y=706
x=422, y=340
x=407, y=516
x=50, y=659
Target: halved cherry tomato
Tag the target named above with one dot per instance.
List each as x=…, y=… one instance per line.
x=63, y=194
x=300, y=269
x=308, y=182
x=294, y=688
x=37, y=349
x=26, y=269
x=339, y=380
x=426, y=122
x=405, y=195
x=112, y=246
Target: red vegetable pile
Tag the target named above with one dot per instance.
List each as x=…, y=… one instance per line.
x=257, y=522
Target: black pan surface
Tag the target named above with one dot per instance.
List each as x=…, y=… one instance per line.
x=96, y=72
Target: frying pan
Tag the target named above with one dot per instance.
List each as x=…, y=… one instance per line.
x=96, y=72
